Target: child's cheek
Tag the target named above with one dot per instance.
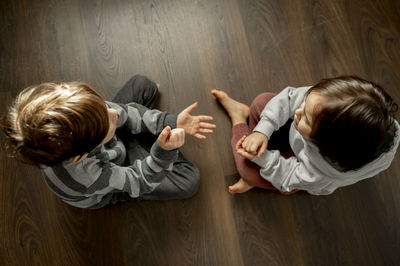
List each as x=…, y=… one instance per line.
x=302, y=128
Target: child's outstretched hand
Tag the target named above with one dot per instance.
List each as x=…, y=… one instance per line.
x=170, y=139
x=194, y=125
x=240, y=149
x=255, y=143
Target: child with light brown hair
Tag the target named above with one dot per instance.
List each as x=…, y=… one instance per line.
x=94, y=152
x=317, y=139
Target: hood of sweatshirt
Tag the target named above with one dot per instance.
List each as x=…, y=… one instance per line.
x=307, y=150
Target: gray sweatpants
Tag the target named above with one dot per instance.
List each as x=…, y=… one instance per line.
x=183, y=181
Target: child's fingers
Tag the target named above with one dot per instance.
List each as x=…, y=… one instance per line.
x=245, y=154
x=177, y=138
x=199, y=136
x=252, y=148
x=239, y=144
x=190, y=108
x=205, y=117
x=177, y=133
x=208, y=131
x=180, y=140
x=247, y=143
x=163, y=138
x=262, y=149
x=251, y=145
x=165, y=133
x=207, y=125
x=181, y=137
x=241, y=152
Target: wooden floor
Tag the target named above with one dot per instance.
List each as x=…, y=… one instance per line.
x=244, y=47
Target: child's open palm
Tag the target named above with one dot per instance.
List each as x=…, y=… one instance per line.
x=194, y=125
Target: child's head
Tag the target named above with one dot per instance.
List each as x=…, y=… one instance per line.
x=50, y=123
x=349, y=119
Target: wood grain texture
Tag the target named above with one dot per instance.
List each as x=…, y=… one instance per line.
x=244, y=47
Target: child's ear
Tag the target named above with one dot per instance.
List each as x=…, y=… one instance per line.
x=79, y=158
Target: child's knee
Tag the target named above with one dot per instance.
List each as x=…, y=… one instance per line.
x=143, y=82
x=260, y=101
x=146, y=90
x=194, y=182
x=191, y=183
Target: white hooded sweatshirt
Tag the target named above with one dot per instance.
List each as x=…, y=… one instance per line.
x=307, y=170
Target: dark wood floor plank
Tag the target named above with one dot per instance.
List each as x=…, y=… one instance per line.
x=190, y=47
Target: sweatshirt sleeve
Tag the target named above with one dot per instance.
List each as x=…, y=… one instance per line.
x=284, y=174
x=139, y=119
x=279, y=109
x=143, y=176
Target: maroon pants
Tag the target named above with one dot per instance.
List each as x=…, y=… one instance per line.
x=249, y=171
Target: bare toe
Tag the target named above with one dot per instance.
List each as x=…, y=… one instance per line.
x=240, y=187
x=237, y=111
x=220, y=95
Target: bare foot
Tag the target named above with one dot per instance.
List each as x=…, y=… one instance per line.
x=238, y=112
x=240, y=186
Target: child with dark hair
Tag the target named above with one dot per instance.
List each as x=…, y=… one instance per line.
x=93, y=152
x=316, y=139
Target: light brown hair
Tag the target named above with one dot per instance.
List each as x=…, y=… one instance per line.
x=50, y=123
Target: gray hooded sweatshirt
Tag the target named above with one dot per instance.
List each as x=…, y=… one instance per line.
x=307, y=170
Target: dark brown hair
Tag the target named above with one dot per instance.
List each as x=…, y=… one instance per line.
x=50, y=123
x=354, y=125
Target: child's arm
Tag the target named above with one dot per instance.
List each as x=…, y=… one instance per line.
x=285, y=174
x=138, y=118
x=143, y=176
x=94, y=180
x=274, y=115
x=280, y=109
